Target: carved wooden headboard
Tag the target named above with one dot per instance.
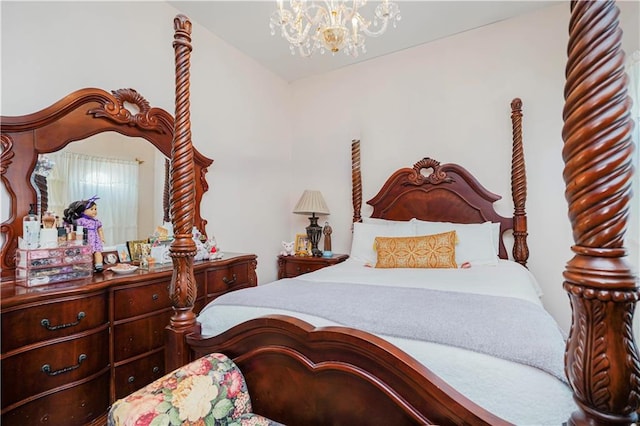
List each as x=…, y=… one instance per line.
x=450, y=193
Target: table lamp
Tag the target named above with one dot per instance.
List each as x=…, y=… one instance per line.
x=312, y=203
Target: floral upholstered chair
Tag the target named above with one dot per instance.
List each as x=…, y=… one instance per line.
x=209, y=391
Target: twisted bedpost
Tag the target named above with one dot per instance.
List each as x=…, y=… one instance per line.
x=165, y=195
x=601, y=357
x=356, y=181
x=518, y=186
x=183, y=284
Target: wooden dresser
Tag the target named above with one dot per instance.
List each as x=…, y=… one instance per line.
x=69, y=350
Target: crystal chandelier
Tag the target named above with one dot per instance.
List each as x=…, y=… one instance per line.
x=331, y=24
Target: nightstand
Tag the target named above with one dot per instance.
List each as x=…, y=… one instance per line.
x=292, y=266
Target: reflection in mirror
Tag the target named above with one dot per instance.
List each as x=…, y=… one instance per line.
x=127, y=174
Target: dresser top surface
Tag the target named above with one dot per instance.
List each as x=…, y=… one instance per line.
x=13, y=294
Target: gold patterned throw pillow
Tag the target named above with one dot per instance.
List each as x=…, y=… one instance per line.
x=429, y=251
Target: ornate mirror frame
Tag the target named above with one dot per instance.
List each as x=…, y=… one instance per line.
x=77, y=116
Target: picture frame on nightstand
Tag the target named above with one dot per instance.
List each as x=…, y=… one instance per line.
x=303, y=245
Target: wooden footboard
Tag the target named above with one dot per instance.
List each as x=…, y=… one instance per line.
x=301, y=375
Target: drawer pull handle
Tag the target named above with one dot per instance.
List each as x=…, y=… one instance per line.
x=155, y=297
x=231, y=281
x=156, y=370
x=47, y=368
x=131, y=379
x=46, y=324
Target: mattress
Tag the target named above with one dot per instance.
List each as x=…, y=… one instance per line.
x=519, y=393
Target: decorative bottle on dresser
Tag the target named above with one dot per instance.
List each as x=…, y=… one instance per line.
x=31, y=229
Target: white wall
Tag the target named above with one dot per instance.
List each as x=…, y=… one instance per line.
x=50, y=49
x=450, y=100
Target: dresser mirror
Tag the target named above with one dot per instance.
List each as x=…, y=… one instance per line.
x=84, y=117
x=126, y=173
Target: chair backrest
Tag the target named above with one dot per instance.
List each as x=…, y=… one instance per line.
x=209, y=388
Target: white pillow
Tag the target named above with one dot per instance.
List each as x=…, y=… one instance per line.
x=364, y=235
x=477, y=243
x=379, y=221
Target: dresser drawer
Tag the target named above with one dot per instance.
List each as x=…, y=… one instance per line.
x=50, y=366
x=75, y=406
x=227, y=279
x=139, y=300
x=136, y=374
x=50, y=320
x=133, y=338
x=293, y=269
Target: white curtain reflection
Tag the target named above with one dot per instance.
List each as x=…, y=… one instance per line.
x=79, y=177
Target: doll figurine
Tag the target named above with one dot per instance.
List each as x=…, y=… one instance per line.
x=84, y=213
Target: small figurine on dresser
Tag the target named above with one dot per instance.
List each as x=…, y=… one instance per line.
x=84, y=214
x=327, y=230
x=288, y=248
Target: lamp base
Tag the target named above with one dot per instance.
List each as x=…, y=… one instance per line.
x=314, y=231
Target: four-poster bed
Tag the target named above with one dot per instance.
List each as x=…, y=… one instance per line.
x=298, y=373
x=340, y=369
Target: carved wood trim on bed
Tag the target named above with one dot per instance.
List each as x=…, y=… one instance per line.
x=447, y=193
x=356, y=181
x=518, y=186
x=183, y=288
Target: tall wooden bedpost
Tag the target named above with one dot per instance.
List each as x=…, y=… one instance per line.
x=183, y=284
x=166, y=217
x=518, y=186
x=601, y=358
x=356, y=181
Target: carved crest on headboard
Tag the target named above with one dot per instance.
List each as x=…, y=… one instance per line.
x=437, y=175
x=118, y=111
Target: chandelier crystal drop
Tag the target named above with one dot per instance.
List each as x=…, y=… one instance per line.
x=332, y=25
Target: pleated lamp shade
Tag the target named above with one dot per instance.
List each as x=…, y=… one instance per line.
x=311, y=202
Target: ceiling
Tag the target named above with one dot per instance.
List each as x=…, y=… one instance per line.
x=245, y=25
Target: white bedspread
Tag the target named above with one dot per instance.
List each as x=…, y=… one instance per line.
x=518, y=393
